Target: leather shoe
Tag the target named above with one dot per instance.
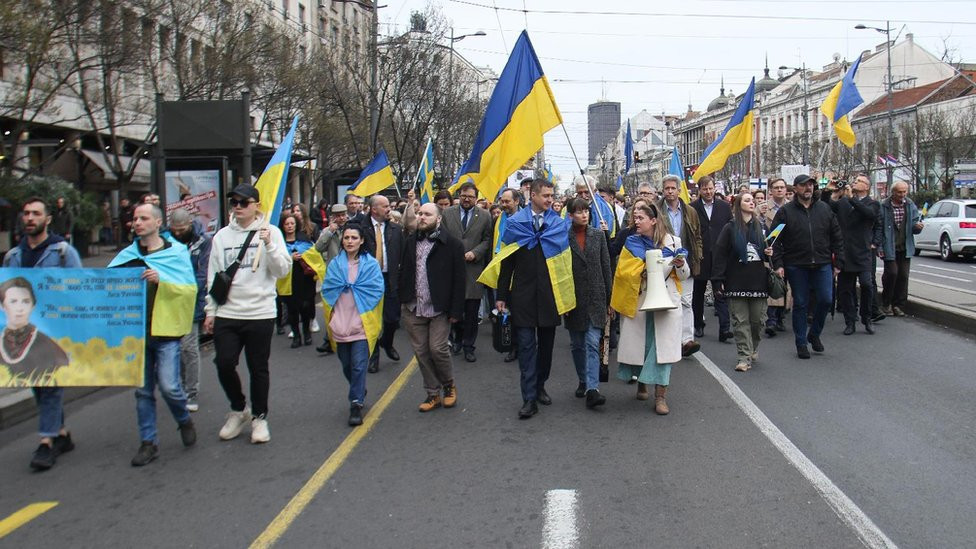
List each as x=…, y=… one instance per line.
x=594, y=399
x=868, y=327
x=878, y=317
x=581, y=390
x=296, y=342
x=324, y=348
x=307, y=339
x=455, y=349
x=374, y=364
x=511, y=356
x=802, y=351
x=725, y=336
x=392, y=353
x=699, y=332
x=542, y=397
x=849, y=329
x=770, y=331
x=690, y=348
x=529, y=409
x=815, y=343
x=469, y=356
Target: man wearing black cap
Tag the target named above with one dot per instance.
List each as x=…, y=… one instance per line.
x=246, y=320
x=810, y=252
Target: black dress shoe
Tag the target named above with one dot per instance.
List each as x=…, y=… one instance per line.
x=802, y=351
x=392, y=353
x=529, y=409
x=542, y=397
x=770, y=331
x=849, y=329
x=307, y=340
x=296, y=342
x=469, y=356
x=815, y=343
x=455, y=349
x=511, y=356
x=324, y=348
x=868, y=327
x=594, y=399
x=699, y=332
x=581, y=390
x=725, y=336
x=374, y=364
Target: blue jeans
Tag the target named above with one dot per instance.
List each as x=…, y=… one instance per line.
x=802, y=280
x=50, y=411
x=534, y=357
x=354, y=357
x=162, y=368
x=585, y=346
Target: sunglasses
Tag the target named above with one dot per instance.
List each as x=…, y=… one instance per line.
x=234, y=202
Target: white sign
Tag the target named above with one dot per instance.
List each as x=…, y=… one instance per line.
x=790, y=171
x=515, y=180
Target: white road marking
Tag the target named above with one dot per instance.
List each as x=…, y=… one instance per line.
x=848, y=511
x=560, y=530
x=921, y=272
x=923, y=265
x=943, y=286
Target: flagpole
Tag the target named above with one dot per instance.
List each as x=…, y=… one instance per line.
x=420, y=169
x=583, y=173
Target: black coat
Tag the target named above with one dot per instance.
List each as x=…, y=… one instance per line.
x=592, y=279
x=710, y=229
x=811, y=236
x=858, y=221
x=730, y=274
x=445, y=273
x=525, y=287
x=393, y=236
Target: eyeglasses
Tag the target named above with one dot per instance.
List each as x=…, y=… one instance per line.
x=468, y=196
x=242, y=203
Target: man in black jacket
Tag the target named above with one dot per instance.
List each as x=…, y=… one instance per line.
x=378, y=229
x=857, y=215
x=432, y=286
x=713, y=215
x=811, y=240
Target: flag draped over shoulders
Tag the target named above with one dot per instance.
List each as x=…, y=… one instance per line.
x=310, y=256
x=628, y=277
x=176, y=293
x=367, y=291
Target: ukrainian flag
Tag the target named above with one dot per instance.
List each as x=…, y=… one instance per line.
x=628, y=149
x=607, y=210
x=620, y=185
x=375, y=177
x=521, y=110
x=630, y=271
x=841, y=100
x=176, y=294
x=774, y=234
x=425, y=175
x=500, y=224
x=677, y=169
x=736, y=136
x=310, y=256
x=367, y=291
x=272, y=181
x=554, y=238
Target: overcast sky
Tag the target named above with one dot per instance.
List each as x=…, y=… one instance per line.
x=635, y=53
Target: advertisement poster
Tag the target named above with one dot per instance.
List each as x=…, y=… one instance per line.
x=198, y=191
x=72, y=327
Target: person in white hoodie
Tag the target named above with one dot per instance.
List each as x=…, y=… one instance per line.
x=246, y=320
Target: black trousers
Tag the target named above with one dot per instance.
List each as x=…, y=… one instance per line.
x=466, y=331
x=895, y=280
x=254, y=337
x=698, y=307
x=301, y=312
x=847, y=295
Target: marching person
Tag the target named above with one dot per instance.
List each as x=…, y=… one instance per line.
x=298, y=287
x=649, y=342
x=329, y=245
x=776, y=308
x=509, y=202
x=739, y=274
x=592, y=278
x=433, y=276
x=183, y=229
x=39, y=248
x=354, y=208
x=472, y=226
x=857, y=214
x=246, y=320
x=900, y=222
x=682, y=221
x=811, y=238
x=384, y=241
x=352, y=294
x=167, y=275
x=713, y=216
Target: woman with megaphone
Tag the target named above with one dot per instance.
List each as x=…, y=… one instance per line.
x=647, y=294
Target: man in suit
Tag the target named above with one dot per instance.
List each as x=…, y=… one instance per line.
x=857, y=214
x=713, y=216
x=682, y=221
x=472, y=226
x=384, y=241
x=509, y=200
x=354, y=209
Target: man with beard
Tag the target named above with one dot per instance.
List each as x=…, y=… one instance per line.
x=183, y=229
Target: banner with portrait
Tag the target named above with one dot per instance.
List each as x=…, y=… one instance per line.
x=72, y=327
x=198, y=192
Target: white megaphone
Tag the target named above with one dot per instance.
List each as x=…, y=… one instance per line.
x=656, y=296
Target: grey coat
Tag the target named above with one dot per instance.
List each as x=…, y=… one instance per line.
x=476, y=239
x=593, y=281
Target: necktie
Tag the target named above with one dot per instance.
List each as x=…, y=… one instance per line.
x=538, y=221
x=464, y=218
x=379, y=245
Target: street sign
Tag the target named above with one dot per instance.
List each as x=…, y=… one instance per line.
x=961, y=180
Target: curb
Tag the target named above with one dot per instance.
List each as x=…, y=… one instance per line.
x=942, y=315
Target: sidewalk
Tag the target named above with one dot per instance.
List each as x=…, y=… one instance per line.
x=953, y=308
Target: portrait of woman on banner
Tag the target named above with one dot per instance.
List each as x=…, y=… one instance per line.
x=29, y=356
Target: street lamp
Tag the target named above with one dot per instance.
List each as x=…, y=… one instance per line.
x=891, y=101
x=450, y=75
x=806, y=113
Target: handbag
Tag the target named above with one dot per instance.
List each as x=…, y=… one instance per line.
x=775, y=285
x=220, y=288
x=501, y=331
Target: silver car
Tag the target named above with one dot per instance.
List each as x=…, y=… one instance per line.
x=950, y=229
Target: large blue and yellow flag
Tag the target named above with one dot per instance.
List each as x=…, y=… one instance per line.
x=367, y=291
x=271, y=184
x=841, y=100
x=554, y=238
x=310, y=256
x=425, y=175
x=736, y=136
x=521, y=110
x=176, y=293
x=630, y=271
x=677, y=169
x=376, y=176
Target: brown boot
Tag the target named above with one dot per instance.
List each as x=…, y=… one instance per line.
x=642, y=392
x=661, y=405
x=450, y=396
x=433, y=401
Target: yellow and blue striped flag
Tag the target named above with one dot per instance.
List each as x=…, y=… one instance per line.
x=841, y=100
x=425, y=175
x=271, y=184
x=630, y=271
x=736, y=136
x=375, y=177
x=176, y=293
x=774, y=234
x=367, y=291
x=310, y=256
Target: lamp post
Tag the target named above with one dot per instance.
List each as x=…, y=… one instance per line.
x=806, y=113
x=891, y=101
x=374, y=62
x=450, y=81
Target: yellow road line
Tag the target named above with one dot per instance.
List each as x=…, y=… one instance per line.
x=300, y=500
x=24, y=516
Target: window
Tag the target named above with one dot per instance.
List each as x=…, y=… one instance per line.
x=950, y=210
x=934, y=210
x=323, y=24
x=301, y=15
x=970, y=211
x=284, y=9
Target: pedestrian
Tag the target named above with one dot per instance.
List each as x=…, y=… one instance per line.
x=508, y=200
x=171, y=291
x=353, y=288
x=62, y=222
x=304, y=223
x=432, y=286
x=41, y=248
x=649, y=342
x=739, y=274
x=125, y=221
x=776, y=308
x=329, y=245
x=354, y=208
x=246, y=320
x=105, y=233
x=443, y=199
x=857, y=214
x=713, y=216
x=900, y=222
x=683, y=222
x=472, y=226
x=804, y=251
x=198, y=243
x=384, y=241
x=298, y=287
x=592, y=279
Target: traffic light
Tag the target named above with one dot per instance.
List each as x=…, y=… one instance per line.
x=637, y=158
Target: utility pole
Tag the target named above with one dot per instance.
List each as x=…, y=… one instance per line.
x=374, y=109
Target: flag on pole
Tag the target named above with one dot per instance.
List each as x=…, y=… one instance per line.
x=677, y=169
x=925, y=209
x=375, y=177
x=271, y=184
x=736, y=136
x=425, y=175
x=620, y=185
x=628, y=149
x=841, y=100
x=521, y=110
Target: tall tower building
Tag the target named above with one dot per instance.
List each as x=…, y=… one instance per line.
x=602, y=127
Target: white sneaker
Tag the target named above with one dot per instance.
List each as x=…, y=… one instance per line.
x=259, y=431
x=315, y=326
x=234, y=424
x=192, y=406
x=291, y=335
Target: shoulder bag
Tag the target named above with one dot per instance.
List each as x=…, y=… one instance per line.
x=220, y=288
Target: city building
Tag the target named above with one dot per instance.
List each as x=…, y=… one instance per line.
x=603, y=123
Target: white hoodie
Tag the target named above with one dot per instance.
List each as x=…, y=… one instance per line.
x=252, y=294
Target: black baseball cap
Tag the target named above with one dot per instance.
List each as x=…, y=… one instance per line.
x=245, y=191
x=803, y=179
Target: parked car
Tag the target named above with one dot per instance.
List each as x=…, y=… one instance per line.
x=949, y=229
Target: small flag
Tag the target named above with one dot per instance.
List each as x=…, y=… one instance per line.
x=925, y=209
x=375, y=177
x=677, y=169
x=774, y=234
x=425, y=175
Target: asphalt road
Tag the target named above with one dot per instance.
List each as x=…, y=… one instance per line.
x=887, y=418
x=959, y=274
